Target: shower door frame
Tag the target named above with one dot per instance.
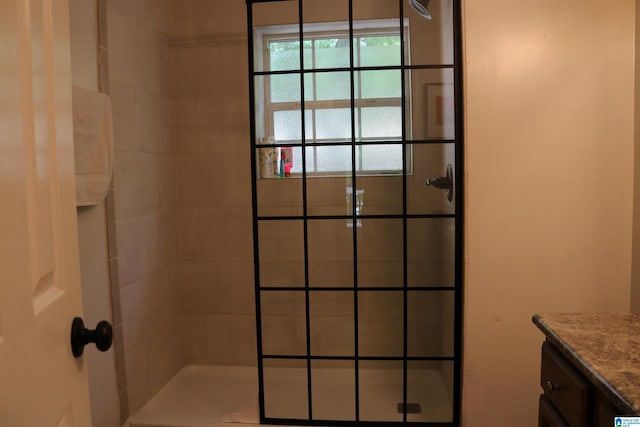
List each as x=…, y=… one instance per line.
x=457, y=216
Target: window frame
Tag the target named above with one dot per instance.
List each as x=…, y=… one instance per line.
x=319, y=31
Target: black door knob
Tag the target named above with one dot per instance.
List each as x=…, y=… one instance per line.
x=102, y=336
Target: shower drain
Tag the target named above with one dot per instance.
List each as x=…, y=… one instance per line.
x=409, y=408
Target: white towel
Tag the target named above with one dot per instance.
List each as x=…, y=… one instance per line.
x=93, y=145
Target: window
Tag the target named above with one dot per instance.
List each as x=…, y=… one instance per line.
x=377, y=95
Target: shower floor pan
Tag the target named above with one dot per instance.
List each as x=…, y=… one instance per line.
x=224, y=396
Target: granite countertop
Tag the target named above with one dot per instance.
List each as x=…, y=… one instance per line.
x=604, y=347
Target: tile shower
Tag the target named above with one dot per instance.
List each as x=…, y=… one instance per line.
x=183, y=207
x=182, y=188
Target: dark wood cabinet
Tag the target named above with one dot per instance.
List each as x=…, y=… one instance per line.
x=548, y=416
x=569, y=399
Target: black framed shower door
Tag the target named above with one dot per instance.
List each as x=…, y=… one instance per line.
x=356, y=160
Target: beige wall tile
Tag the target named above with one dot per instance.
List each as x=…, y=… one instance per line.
x=331, y=273
x=158, y=237
x=284, y=335
x=165, y=299
x=188, y=181
x=217, y=287
x=153, y=114
x=165, y=355
x=137, y=313
x=282, y=303
x=230, y=339
x=194, y=17
x=130, y=247
x=125, y=126
x=183, y=112
x=153, y=15
x=226, y=236
x=380, y=273
x=189, y=235
x=137, y=183
x=197, y=287
x=138, y=384
x=330, y=240
x=145, y=190
x=184, y=140
x=380, y=240
x=118, y=348
x=212, y=181
x=120, y=10
x=195, y=64
x=332, y=335
x=281, y=273
x=193, y=338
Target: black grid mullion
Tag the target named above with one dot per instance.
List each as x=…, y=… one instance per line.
x=405, y=275
x=305, y=223
x=354, y=219
x=459, y=204
x=254, y=208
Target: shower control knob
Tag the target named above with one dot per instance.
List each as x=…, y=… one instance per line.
x=101, y=336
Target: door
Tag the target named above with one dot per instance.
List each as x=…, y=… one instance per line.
x=42, y=384
x=357, y=161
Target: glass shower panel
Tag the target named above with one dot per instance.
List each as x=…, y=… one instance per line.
x=333, y=390
x=285, y=388
x=333, y=125
x=379, y=50
x=381, y=390
x=332, y=86
x=431, y=252
x=359, y=247
x=332, y=160
x=439, y=32
x=430, y=161
x=381, y=84
x=330, y=195
x=381, y=157
x=276, y=196
x=430, y=323
x=331, y=323
x=281, y=253
x=380, y=323
x=287, y=126
x=270, y=18
x=330, y=244
x=379, y=195
x=380, y=253
x=326, y=27
x=386, y=11
x=430, y=391
x=430, y=105
x=283, y=323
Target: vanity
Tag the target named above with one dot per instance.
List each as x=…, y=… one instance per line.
x=590, y=368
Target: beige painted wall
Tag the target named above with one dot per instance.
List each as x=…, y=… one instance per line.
x=635, y=266
x=549, y=144
x=92, y=235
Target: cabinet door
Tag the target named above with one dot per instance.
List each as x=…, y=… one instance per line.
x=564, y=387
x=547, y=414
x=604, y=412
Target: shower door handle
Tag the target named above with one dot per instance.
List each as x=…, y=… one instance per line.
x=444, y=182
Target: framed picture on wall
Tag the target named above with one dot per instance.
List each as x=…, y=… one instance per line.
x=440, y=111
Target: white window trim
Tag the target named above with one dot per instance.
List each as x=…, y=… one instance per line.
x=264, y=114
